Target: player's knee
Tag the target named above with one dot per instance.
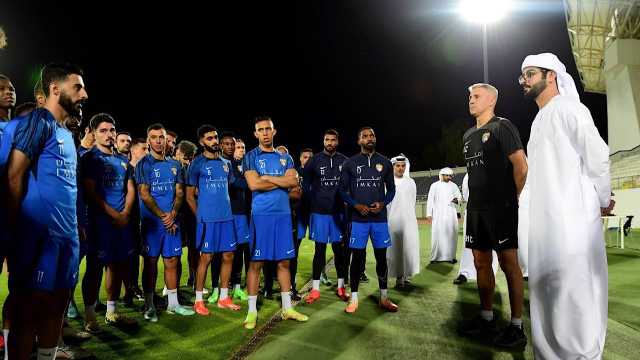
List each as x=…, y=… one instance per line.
x=227, y=256
x=171, y=262
x=482, y=263
x=206, y=258
x=283, y=265
x=255, y=266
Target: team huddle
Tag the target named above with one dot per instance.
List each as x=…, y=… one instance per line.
x=113, y=199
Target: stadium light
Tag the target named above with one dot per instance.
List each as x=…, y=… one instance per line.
x=484, y=12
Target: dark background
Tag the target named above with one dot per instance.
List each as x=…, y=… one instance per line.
x=402, y=67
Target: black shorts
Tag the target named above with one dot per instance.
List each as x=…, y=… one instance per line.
x=491, y=229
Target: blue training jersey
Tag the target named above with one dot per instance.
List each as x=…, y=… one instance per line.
x=161, y=176
x=238, y=190
x=321, y=180
x=51, y=195
x=111, y=173
x=271, y=163
x=212, y=178
x=366, y=179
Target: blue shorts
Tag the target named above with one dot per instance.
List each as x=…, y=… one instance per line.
x=361, y=231
x=302, y=225
x=109, y=243
x=325, y=228
x=216, y=237
x=157, y=241
x=242, y=228
x=42, y=261
x=272, y=237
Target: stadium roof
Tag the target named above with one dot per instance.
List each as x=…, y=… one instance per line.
x=592, y=25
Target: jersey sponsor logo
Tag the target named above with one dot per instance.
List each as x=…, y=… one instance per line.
x=465, y=149
x=379, y=167
x=371, y=182
x=283, y=162
x=472, y=159
x=485, y=137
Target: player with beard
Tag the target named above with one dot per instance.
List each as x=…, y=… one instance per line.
x=237, y=194
x=42, y=213
x=367, y=186
x=210, y=175
x=172, y=140
x=185, y=152
x=321, y=181
x=123, y=143
x=139, y=149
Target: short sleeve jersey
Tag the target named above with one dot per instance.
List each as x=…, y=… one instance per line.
x=271, y=163
x=486, y=151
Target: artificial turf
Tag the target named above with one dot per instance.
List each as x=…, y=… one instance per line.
x=423, y=328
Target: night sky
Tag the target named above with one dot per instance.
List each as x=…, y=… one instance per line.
x=402, y=67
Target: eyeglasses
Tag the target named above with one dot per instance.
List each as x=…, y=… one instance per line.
x=527, y=75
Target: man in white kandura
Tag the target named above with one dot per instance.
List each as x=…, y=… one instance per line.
x=523, y=232
x=467, y=270
x=569, y=184
x=403, y=257
x=443, y=198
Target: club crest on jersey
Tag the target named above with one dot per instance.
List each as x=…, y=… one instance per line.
x=225, y=167
x=485, y=137
x=174, y=171
x=283, y=162
x=123, y=165
x=240, y=168
x=339, y=167
x=379, y=167
x=262, y=163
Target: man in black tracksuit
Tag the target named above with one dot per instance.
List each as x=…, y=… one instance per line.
x=367, y=186
x=320, y=182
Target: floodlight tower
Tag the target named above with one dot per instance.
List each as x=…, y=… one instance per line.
x=484, y=12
